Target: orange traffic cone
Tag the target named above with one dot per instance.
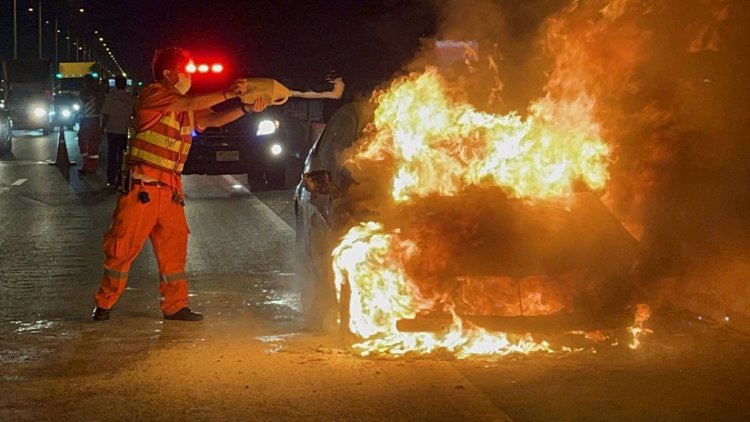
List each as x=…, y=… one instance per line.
x=62, y=160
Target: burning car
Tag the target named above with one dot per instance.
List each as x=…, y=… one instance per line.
x=420, y=214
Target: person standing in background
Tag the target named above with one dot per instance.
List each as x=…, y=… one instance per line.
x=117, y=114
x=89, y=135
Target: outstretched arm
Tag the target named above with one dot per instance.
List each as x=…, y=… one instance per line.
x=218, y=119
x=206, y=101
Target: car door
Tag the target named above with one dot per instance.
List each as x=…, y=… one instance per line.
x=323, y=185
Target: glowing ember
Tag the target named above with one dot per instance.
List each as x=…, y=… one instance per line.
x=443, y=146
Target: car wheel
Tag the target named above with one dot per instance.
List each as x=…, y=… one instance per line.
x=46, y=130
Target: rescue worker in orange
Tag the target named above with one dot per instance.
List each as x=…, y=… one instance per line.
x=152, y=207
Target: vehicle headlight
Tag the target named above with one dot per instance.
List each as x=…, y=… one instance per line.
x=66, y=113
x=266, y=127
x=40, y=111
x=76, y=107
x=276, y=149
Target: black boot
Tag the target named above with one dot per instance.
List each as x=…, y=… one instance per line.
x=101, y=314
x=184, y=314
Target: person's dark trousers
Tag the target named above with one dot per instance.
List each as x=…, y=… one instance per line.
x=116, y=150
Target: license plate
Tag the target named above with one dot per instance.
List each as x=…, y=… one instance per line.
x=227, y=156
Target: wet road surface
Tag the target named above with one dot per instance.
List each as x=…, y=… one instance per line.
x=251, y=359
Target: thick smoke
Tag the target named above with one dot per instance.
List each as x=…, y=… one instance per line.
x=668, y=81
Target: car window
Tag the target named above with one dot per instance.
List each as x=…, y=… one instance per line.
x=340, y=133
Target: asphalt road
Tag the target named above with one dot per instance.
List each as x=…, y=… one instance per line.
x=251, y=359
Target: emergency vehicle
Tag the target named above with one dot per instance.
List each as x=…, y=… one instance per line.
x=269, y=147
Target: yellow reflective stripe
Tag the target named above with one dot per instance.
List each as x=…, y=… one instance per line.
x=186, y=147
x=179, y=167
x=160, y=140
x=188, y=130
x=153, y=158
x=170, y=121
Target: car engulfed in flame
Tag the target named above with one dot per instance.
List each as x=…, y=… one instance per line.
x=435, y=226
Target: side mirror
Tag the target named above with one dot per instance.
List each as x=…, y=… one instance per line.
x=320, y=182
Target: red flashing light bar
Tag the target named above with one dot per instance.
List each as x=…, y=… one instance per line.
x=204, y=68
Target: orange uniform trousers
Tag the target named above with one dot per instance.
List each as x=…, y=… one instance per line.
x=89, y=141
x=163, y=220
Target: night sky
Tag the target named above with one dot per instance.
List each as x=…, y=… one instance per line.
x=286, y=39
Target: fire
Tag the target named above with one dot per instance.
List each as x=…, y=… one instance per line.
x=642, y=314
x=371, y=261
x=426, y=140
x=442, y=146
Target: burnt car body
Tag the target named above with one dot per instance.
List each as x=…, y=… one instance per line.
x=578, y=257
x=6, y=133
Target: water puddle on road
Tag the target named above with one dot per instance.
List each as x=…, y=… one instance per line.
x=33, y=327
x=277, y=342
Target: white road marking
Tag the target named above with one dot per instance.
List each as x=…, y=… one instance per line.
x=263, y=209
x=278, y=223
x=18, y=182
x=236, y=185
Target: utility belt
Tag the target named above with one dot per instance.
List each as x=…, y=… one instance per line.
x=134, y=181
x=128, y=182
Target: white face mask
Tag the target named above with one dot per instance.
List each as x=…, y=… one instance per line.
x=183, y=84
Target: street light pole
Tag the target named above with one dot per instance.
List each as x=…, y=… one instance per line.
x=15, y=30
x=40, y=29
x=56, y=57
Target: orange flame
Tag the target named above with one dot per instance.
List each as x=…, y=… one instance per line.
x=441, y=146
x=371, y=261
x=642, y=314
x=426, y=141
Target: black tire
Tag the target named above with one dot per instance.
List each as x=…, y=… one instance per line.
x=46, y=130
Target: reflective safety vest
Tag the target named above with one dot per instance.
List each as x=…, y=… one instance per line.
x=164, y=145
x=90, y=109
